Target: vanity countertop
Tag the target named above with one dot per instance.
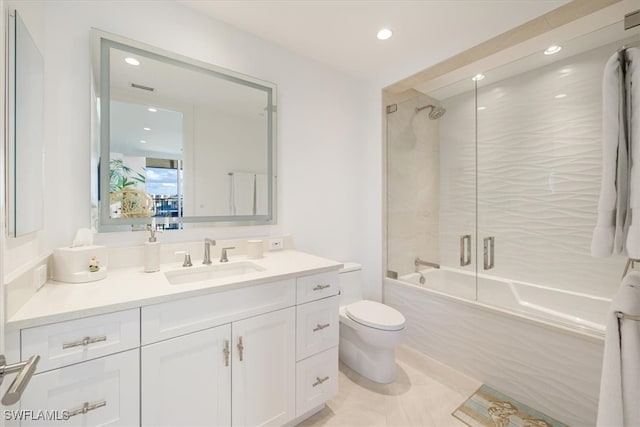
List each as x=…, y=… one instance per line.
x=131, y=287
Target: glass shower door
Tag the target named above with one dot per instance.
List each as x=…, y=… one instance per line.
x=539, y=163
x=431, y=211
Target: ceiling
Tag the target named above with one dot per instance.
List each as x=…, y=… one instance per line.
x=342, y=33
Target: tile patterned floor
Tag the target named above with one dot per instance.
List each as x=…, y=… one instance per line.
x=425, y=394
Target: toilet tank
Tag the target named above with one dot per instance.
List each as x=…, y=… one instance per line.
x=350, y=280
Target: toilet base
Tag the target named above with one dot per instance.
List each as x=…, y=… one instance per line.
x=376, y=364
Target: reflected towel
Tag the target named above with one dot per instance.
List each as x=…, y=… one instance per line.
x=620, y=383
x=262, y=194
x=242, y=193
x=608, y=233
x=633, y=100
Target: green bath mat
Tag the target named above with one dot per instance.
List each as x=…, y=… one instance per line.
x=489, y=407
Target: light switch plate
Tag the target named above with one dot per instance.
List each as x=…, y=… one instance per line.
x=275, y=244
x=39, y=276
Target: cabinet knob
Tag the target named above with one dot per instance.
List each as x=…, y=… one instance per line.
x=240, y=349
x=319, y=381
x=321, y=327
x=226, y=352
x=83, y=342
x=86, y=407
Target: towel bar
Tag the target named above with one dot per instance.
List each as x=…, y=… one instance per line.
x=621, y=315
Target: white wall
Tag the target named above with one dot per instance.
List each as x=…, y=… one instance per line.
x=328, y=154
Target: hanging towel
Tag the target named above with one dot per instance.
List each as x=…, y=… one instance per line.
x=262, y=194
x=633, y=114
x=620, y=383
x=608, y=235
x=242, y=193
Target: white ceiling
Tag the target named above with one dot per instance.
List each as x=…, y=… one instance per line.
x=342, y=33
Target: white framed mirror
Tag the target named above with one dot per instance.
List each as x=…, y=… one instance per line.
x=25, y=146
x=179, y=141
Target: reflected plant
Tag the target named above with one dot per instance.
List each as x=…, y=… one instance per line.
x=122, y=176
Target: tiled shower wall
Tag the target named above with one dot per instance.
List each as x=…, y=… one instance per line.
x=413, y=176
x=538, y=175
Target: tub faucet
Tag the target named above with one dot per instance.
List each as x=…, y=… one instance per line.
x=418, y=262
x=207, y=250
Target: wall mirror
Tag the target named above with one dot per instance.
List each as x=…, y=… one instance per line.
x=25, y=148
x=179, y=141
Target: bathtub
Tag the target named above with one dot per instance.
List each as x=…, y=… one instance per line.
x=541, y=346
x=570, y=309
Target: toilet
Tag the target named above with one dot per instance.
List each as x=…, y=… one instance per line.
x=369, y=331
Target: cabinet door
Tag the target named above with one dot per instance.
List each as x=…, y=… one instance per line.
x=186, y=381
x=263, y=386
x=107, y=388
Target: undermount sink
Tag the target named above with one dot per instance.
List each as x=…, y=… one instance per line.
x=209, y=272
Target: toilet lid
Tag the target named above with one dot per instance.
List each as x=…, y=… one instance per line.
x=376, y=315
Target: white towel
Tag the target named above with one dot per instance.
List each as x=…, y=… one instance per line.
x=262, y=194
x=242, y=193
x=607, y=235
x=633, y=81
x=620, y=384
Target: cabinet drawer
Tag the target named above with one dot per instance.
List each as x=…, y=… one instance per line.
x=317, y=326
x=112, y=380
x=311, y=288
x=65, y=343
x=316, y=380
x=175, y=318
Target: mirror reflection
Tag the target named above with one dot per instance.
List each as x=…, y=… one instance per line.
x=184, y=141
x=25, y=157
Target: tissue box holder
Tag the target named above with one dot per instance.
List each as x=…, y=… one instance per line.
x=75, y=265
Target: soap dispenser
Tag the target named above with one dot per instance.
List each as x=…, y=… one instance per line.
x=151, y=252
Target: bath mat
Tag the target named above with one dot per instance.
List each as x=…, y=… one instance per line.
x=489, y=407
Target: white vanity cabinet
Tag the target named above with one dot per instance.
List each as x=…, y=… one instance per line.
x=317, y=336
x=247, y=355
x=187, y=380
x=241, y=372
x=89, y=372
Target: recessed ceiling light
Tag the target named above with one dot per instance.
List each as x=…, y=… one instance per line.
x=153, y=110
x=478, y=77
x=146, y=128
x=142, y=141
x=131, y=61
x=552, y=49
x=384, y=34
x=560, y=96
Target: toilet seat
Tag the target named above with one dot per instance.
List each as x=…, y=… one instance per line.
x=376, y=315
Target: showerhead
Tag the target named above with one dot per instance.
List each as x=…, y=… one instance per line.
x=435, y=113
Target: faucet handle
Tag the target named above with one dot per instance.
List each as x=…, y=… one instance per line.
x=187, y=258
x=223, y=257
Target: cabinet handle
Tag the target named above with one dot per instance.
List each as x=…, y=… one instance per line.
x=321, y=287
x=320, y=381
x=465, y=250
x=83, y=342
x=489, y=252
x=226, y=352
x=86, y=407
x=320, y=327
x=240, y=349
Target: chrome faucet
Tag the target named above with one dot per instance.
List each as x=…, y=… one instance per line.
x=207, y=250
x=223, y=257
x=418, y=262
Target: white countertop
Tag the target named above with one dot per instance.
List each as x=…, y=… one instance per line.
x=131, y=287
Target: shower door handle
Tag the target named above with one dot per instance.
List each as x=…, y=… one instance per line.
x=465, y=250
x=489, y=252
